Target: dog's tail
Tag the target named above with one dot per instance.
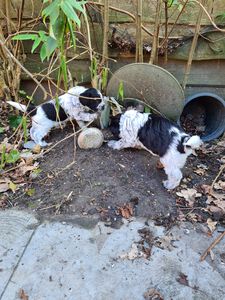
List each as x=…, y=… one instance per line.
x=17, y=105
x=31, y=108
x=194, y=142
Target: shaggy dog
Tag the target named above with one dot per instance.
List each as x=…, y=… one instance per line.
x=159, y=135
x=79, y=103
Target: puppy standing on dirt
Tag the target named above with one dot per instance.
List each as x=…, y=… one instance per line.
x=72, y=104
x=162, y=137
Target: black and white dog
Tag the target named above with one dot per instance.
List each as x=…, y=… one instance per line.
x=79, y=103
x=160, y=136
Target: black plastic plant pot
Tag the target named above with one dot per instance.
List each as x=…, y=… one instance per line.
x=205, y=112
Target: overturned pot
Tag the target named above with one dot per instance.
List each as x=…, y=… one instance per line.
x=204, y=114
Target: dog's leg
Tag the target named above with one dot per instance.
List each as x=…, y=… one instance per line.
x=174, y=175
x=37, y=135
x=117, y=145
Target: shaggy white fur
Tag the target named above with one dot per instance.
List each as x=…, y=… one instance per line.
x=70, y=103
x=173, y=160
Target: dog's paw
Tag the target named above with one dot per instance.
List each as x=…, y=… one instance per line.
x=113, y=144
x=170, y=185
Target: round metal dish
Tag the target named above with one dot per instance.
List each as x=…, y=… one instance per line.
x=152, y=85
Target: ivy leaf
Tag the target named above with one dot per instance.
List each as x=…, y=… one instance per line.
x=12, y=186
x=30, y=192
x=14, y=121
x=12, y=156
x=2, y=129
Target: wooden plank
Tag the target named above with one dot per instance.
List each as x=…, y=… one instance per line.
x=33, y=8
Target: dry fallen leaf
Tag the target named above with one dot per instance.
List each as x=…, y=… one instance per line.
x=23, y=295
x=4, y=185
x=153, y=294
x=220, y=185
x=126, y=211
x=189, y=195
x=182, y=279
x=132, y=254
x=165, y=242
x=211, y=224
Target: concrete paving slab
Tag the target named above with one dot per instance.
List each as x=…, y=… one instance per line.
x=16, y=229
x=67, y=261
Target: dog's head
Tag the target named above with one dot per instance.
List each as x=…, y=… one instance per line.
x=92, y=98
x=192, y=143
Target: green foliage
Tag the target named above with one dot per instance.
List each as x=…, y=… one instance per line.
x=94, y=68
x=14, y=121
x=104, y=78
x=24, y=125
x=220, y=18
x=2, y=129
x=9, y=158
x=62, y=17
x=120, y=94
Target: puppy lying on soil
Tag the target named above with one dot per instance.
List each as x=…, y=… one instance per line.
x=79, y=103
x=159, y=135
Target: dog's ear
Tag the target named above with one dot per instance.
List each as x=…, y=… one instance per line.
x=90, y=98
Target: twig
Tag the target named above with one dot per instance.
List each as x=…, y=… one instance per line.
x=139, y=41
x=105, y=33
x=88, y=34
x=218, y=175
x=193, y=47
x=155, y=43
x=23, y=68
x=217, y=240
x=62, y=202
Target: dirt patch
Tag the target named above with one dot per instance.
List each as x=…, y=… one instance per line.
x=99, y=179
x=113, y=184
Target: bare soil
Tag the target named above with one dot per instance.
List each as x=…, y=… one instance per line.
x=103, y=180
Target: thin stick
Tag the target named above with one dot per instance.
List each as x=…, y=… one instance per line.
x=24, y=69
x=156, y=33
x=217, y=176
x=139, y=41
x=88, y=34
x=193, y=47
x=105, y=33
x=217, y=240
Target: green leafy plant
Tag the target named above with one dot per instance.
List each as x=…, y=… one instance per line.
x=14, y=121
x=9, y=158
x=120, y=94
x=61, y=18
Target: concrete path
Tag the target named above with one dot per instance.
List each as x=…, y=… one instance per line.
x=78, y=258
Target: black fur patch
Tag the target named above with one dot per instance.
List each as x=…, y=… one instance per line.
x=114, y=126
x=155, y=135
x=90, y=98
x=31, y=109
x=180, y=146
x=50, y=111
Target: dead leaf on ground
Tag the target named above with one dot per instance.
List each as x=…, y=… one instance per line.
x=189, y=195
x=206, y=189
x=153, y=294
x=23, y=295
x=132, y=254
x=211, y=224
x=182, y=279
x=126, y=211
x=4, y=185
x=165, y=242
x=220, y=185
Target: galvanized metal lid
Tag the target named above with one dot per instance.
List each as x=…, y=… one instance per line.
x=152, y=84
